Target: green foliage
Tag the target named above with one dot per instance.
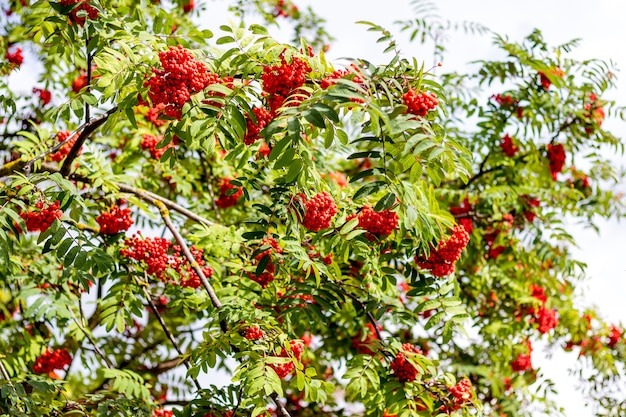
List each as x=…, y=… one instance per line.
x=329, y=208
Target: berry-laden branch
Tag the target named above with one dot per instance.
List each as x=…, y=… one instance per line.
x=169, y=334
x=86, y=129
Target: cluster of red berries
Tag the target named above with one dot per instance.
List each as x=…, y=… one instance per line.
x=80, y=5
x=182, y=75
x=339, y=178
x=401, y=367
x=153, y=252
x=51, y=360
x=60, y=155
x=362, y=342
x=556, y=157
x=379, y=224
x=227, y=197
x=154, y=113
x=267, y=275
x=163, y=413
x=79, y=82
x=318, y=211
x=419, y=104
x=522, y=362
x=508, y=147
x=282, y=9
x=352, y=73
x=186, y=272
x=507, y=102
x=462, y=214
x=15, y=56
x=441, y=260
x=254, y=333
x=529, y=214
x=462, y=394
x=546, y=319
x=40, y=220
x=615, y=336
x=45, y=96
x=594, y=113
x=114, y=220
x=545, y=81
x=263, y=118
x=281, y=81
x=149, y=143
x=284, y=369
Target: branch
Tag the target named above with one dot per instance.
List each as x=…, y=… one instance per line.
x=368, y=313
x=169, y=334
x=280, y=407
x=192, y=261
x=5, y=374
x=89, y=128
x=86, y=129
x=155, y=199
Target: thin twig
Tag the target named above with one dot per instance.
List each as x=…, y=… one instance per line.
x=93, y=343
x=5, y=374
x=169, y=335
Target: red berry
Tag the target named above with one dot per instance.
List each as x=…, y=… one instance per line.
x=45, y=96
x=362, y=342
x=379, y=224
x=462, y=393
x=182, y=75
x=60, y=155
x=547, y=319
x=284, y=369
x=254, y=333
x=281, y=81
x=263, y=118
x=80, y=5
x=79, y=82
x=149, y=142
x=615, y=336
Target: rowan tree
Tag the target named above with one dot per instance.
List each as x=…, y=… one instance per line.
x=341, y=239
